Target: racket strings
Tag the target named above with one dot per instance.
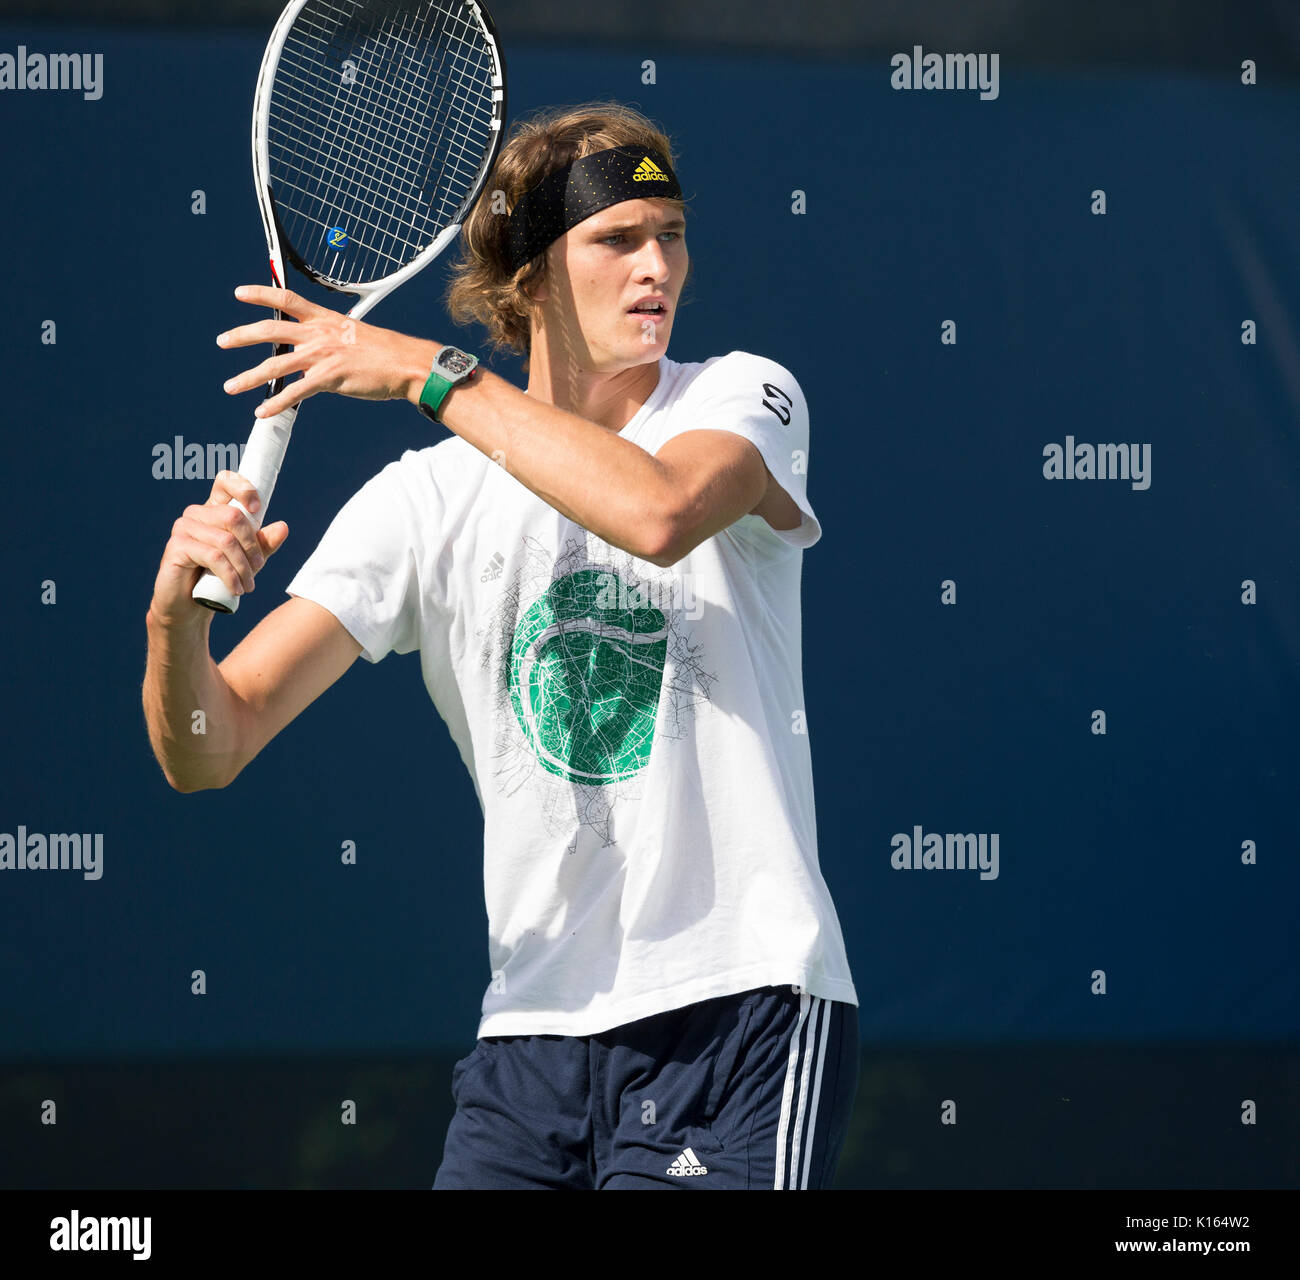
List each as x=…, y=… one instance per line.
x=385, y=115
x=379, y=122
x=352, y=161
x=396, y=114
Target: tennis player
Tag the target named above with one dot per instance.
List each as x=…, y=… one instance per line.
x=601, y=575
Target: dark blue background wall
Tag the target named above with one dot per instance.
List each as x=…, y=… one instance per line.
x=1119, y=852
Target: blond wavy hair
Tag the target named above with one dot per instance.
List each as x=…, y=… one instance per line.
x=482, y=288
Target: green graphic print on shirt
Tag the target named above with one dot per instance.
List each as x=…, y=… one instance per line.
x=594, y=659
x=586, y=669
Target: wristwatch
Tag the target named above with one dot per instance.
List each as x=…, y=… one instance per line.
x=450, y=366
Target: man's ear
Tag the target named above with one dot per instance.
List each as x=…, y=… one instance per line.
x=536, y=289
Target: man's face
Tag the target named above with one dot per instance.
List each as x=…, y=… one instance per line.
x=631, y=254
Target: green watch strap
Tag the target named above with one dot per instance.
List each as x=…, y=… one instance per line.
x=434, y=393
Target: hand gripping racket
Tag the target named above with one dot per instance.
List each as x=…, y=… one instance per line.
x=375, y=125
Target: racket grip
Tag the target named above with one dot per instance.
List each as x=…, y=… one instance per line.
x=260, y=466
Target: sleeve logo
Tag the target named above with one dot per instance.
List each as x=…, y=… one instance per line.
x=783, y=403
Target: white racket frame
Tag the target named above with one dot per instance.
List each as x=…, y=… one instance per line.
x=269, y=440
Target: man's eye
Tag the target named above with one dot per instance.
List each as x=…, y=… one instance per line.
x=618, y=235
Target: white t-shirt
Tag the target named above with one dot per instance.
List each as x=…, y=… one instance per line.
x=635, y=734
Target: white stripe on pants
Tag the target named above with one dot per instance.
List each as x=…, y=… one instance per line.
x=805, y=1069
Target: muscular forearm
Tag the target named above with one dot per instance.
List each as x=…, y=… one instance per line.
x=592, y=475
x=588, y=473
x=196, y=752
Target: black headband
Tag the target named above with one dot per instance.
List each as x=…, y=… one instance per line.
x=569, y=195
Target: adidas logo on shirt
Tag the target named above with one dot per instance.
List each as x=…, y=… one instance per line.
x=648, y=171
x=687, y=1166
x=493, y=569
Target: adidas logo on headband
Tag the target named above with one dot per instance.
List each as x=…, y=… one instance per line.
x=648, y=171
x=575, y=191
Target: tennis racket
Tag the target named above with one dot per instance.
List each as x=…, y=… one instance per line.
x=375, y=125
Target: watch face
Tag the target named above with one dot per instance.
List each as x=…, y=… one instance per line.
x=454, y=361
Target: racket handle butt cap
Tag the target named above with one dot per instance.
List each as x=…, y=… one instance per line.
x=212, y=592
